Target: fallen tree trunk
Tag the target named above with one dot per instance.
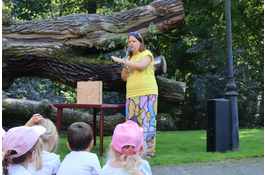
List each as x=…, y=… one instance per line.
x=66, y=49
x=170, y=90
x=94, y=32
x=65, y=73
x=21, y=110
x=16, y=112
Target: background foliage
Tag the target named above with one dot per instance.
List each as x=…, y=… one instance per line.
x=195, y=54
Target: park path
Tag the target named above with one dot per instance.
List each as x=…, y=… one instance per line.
x=248, y=166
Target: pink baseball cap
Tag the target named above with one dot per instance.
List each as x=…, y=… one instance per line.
x=3, y=132
x=128, y=133
x=21, y=139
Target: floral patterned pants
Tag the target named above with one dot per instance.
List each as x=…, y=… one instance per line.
x=142, y=110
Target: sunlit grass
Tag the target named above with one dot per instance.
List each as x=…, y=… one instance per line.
x=177, y=147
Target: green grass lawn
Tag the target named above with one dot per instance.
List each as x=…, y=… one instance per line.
x=177, y=147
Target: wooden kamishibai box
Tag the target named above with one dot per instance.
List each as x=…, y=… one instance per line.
x=89, y=92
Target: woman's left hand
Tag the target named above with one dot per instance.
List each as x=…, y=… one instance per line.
x=116, y=59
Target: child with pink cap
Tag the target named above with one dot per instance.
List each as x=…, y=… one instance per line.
x=3, y=134
x=126, y=149
x=19, y=146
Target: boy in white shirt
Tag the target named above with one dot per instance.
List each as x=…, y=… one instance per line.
x=79, y=161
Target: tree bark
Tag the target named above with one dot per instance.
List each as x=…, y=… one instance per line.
x=17, y=112
x=20, y=111
x=66, y=49
x=94, y=32
x=69, y=74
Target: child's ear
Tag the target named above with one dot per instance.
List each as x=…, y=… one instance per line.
x=112, y=148
x=91, y=144
x=32, y=154
x=141, y=150
x=69, y=146
x=53, y=140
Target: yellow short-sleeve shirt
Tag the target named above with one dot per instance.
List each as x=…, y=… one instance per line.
x=141, y=82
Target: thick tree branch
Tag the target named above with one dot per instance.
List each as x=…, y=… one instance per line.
x=94, y=32
x=20, y=110
x=62, y=49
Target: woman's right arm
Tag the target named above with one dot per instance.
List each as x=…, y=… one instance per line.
x=124, y=73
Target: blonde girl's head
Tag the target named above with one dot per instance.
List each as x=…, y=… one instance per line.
x=51, y=135
x=127, y=146
x=48, y=141
x=130, y=162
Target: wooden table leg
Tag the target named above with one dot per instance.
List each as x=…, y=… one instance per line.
x=95, y=125
x=101, y=131
x=59, y=119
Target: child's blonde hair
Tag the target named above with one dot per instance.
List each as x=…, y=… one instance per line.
x=50, y=134
x=130, y=163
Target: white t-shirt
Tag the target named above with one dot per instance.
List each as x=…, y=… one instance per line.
x=108, y=170
x=50, y=164
x=17, y=169
x=79, y=163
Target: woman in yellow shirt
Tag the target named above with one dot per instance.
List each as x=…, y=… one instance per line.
x=141, y=89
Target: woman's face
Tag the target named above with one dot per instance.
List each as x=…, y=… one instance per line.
x=134, y=44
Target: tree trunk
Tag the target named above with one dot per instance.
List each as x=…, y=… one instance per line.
x=20, y=111
x=69, y=74
x=17, y=112
x=93, y=32
x=66, y=49
x=170, y=90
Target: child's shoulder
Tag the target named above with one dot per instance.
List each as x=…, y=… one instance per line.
x=80, y=155
x=146, y=167
x=46, y=153
x=145, y=162
x=47, y=156
x=138, y=173
x=17, y=169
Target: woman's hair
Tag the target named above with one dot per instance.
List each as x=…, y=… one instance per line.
x=50, y=134
x=130, y=163
x=18, y=160
x=140, y=39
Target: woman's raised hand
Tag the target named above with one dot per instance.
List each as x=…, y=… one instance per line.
x=116, y=59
